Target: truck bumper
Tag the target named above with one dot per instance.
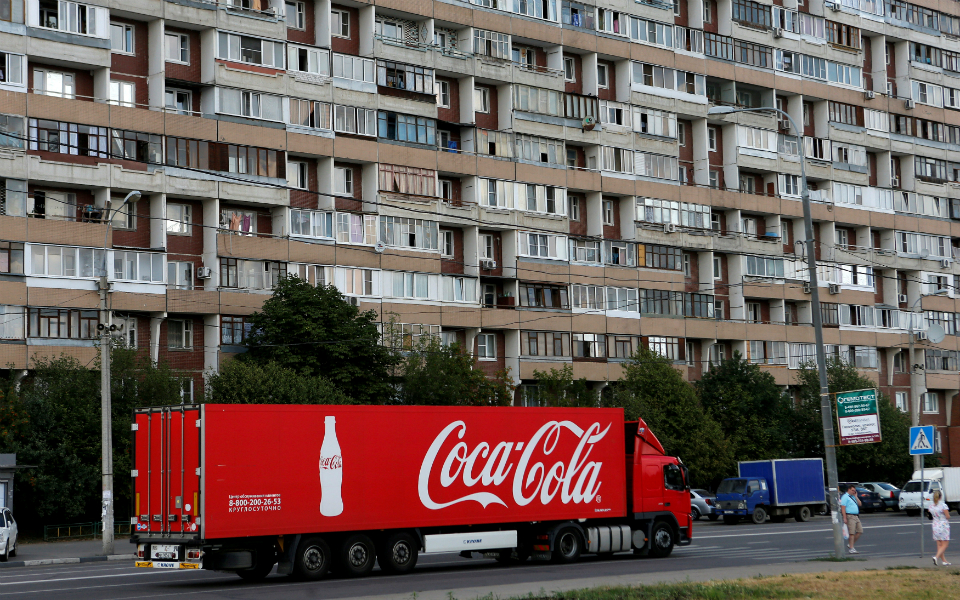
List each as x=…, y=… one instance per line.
x=737, y=512
x=167, y=564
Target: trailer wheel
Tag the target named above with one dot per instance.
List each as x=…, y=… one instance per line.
x=759, y=515
x=398, y=554
x=313, y=559
x=567, y=546
x=661, y=540
x=803, y=514
x=357, y=555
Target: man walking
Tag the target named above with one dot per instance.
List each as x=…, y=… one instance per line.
x=850, y=509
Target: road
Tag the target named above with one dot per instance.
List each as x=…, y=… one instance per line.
x=888, y=535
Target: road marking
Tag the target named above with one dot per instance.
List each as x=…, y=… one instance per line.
x=37, y=573
x=145, y=572
x=871, y=528
x=763, y=542
x=97, y=587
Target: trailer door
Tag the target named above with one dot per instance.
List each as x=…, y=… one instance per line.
x=166, y=499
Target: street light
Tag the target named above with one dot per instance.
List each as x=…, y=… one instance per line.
x=826, y=406
x=106, y=421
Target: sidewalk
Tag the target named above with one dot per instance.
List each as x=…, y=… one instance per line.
x=53, y=553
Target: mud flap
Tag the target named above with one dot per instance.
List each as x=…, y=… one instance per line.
x=286, y=559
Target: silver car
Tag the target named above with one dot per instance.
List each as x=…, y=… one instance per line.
x=8, y=535
x=701, y=505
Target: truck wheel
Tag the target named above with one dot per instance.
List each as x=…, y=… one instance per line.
x=358, y=555
x=567, y=546
x=759, y=515
x=661, y=540
x=695, y=512
x=313, y=559
x=803, y=514
x=730, y=519
x=398, y=554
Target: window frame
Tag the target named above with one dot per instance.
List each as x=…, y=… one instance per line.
x=344, y=22
x=128, y=34
x=183, y=45
x=486, y=343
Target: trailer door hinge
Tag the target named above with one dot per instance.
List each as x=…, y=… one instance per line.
x=134, y=427
x=198, y=423
x=134, y=473
x=198, y=471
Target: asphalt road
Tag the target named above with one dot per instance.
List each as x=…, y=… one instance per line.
x=888, y=535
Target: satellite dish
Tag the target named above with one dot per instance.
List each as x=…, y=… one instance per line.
x=589, y=123
x=924, y=253
x=935, y=334
x=380, y=247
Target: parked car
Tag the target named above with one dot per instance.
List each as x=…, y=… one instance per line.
x=910, y=495
x=890, y=494
x=869, y=501
x=8, y=534
x=702, y=503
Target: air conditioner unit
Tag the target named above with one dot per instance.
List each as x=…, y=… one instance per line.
x=834, y=288
x=834, y=6
x=353, y=301
x=806, y=287
x=869, y=94
x=895, y=182
x=778, y=32
x=669, y=228
x=488, y=264
x=921, y=335
x=204, y=272
x=909, y=103
x=945, y=263
x=902, y=298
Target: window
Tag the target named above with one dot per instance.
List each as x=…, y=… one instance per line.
x=707, y=11
x=533, y=343
x=751, y=13
x=340, y=23
x=179, y=334
x=180, y=274
x=623, y=299
x=52, y=205
x=11, y=68
x=12, y=323
x=53, y=83
x=714, y=179
x=121, y=38
x=481, y=99
x=608, y=216
x=308, y=60
x=902, y=401
x=178, y=219
x=70, y=16
x=356, y=229
x=542, y=246
x=446, y=189
x=587, y=297
x=62, y=323
x=543, y=296
x=297, y=174
x=712, y=139
x=574, y=202
x=843, y=35
x=446, y=243
x=569, y=69
x=177, y=48
x=589, y=345
x=234, y=330
x=486, y=346
x=354, y=67
x=407, y=180
x=122, y=93
x=133, y=266
x=311, y=223
x=343, y=181
x=491, y=44
x=654, y=256
x=585, y=251
x=124, y=215
x=405, y=232
x=931, y=402
x=717, y=354
x=405, y=77
x=250, y=274
x=486, y=247
x=407, y=128
x=602, y=79
x=255, y=105
x=667, y=347
x=443, y=94
x=178, y=101
x=296, y=15
x=759, y=266
x=250, y=50
x=243, y=222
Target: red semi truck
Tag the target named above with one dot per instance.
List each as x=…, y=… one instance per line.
x=309, y=488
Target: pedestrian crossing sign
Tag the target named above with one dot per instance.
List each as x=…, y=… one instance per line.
x=921, y=440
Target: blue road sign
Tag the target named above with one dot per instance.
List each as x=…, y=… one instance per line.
x=921, y=439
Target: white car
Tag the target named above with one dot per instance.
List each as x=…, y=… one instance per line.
x=8, y=535
x=910, y=495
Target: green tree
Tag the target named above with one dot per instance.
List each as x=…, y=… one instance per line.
x=316, y=333
x=885, y=461
x=557, y=387
x=438, y=375
x=652, y=389
x=750, y=408
x=246, y=382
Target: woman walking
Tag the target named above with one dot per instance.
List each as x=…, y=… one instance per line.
x=941, y=527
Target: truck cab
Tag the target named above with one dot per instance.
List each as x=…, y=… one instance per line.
x=741, y=497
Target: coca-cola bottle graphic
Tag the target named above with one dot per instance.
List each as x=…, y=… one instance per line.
x=331, y=470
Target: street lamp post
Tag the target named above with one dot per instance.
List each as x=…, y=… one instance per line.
x=826, y=406
x=106, y=420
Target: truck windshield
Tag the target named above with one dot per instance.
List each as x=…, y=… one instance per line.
x=732, y=486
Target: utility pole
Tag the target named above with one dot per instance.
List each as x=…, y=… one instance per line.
x=106, y=404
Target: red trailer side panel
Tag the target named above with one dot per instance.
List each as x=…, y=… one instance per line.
x=271, y=470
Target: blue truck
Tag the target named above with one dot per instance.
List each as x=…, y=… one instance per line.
x=778, y=488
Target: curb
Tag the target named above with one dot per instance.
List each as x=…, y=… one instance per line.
x=65, y=561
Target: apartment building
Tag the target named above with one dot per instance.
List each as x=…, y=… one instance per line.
x=537, y=179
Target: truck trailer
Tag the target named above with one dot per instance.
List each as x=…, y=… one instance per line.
x=310, y=488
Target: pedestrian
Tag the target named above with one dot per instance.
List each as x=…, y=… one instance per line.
x=940, y=513
x=850, y=509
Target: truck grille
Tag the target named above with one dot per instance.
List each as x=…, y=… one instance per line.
x=728, y=504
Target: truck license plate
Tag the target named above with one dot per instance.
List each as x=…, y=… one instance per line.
x=163, y=552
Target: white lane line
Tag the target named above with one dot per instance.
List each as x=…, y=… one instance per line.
x=871, y=528
x=97, y=587
x=145, y=572
x=763, y=542
x=36, y=573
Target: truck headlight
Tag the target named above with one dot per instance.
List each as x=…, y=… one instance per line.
x=742, y=505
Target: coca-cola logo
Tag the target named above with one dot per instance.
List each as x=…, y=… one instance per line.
x=331, y=462
x=575, y=478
